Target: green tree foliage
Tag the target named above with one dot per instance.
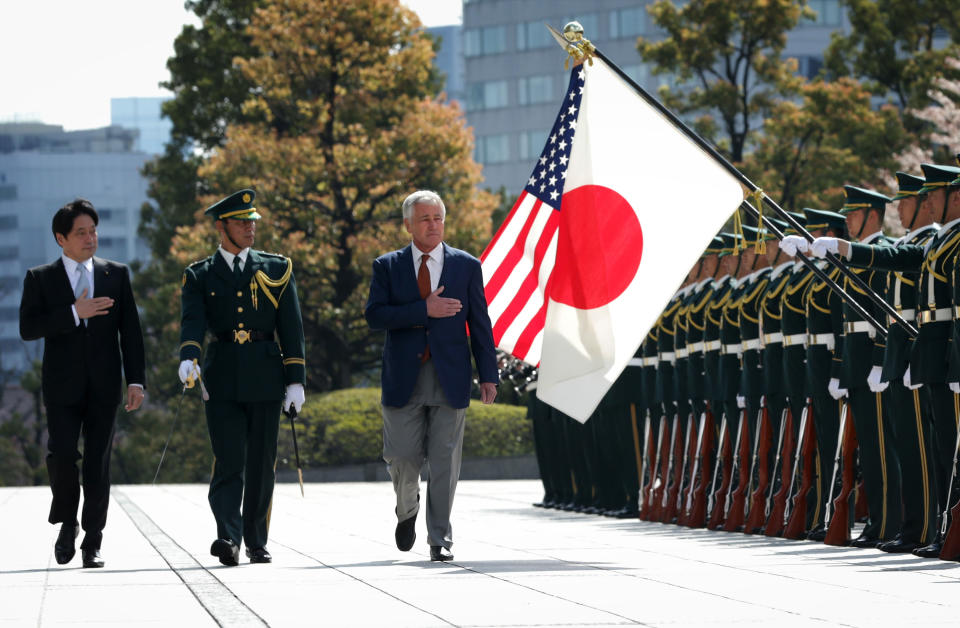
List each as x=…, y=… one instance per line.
x=726, y=55
x=892, y=46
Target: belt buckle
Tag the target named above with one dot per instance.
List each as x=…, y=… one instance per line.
x=241, y=336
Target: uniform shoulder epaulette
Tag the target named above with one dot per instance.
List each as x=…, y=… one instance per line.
x=198, y=262
x=273, y=287
x=276, y=255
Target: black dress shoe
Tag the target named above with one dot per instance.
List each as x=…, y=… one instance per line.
x=259, y=555
x=898, y=546
x=929, y=551
x=406, y=534
x=818, y=534
x=65, y=548
x=865, y=541
x=91, y=558
x=439, y=553
x=227, y=551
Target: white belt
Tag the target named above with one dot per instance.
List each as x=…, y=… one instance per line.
x=696, y=347
x=772, y=339
x=820, y=339
x=859, y=327
x=732, y=349
x=911, y=315
x=682, y=353
x=650, y=360
x=794, y=339
x=930, y=316
x=668, y=356
x=753, y=343
x=635, y=362
x=711, y=345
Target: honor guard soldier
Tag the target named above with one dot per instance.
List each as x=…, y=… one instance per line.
x=929, y=352
x=254, y=367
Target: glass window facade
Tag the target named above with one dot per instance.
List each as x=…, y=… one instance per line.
x=492, y=149
x=535, y=89
x=828, y=12
x=488, y=40
x=531, y=143
x=628, y=22
x=486, y=95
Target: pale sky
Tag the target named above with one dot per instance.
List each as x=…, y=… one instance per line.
x=61, y=61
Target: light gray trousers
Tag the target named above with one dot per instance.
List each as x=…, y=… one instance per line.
x=427, y=428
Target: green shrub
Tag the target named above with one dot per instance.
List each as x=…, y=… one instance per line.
x=346, y=427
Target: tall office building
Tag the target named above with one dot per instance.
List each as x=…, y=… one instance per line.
x=515, y=73
x=144, y=115
x=449, y=59
x=42, y=167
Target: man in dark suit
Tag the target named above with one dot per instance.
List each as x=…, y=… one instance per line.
x=83, y=308
x=426, y=296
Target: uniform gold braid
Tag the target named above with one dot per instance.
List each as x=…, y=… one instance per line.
x=770, y=295
x=266, y=283
x=695, y=309
x=930, y=263
x=750, y=299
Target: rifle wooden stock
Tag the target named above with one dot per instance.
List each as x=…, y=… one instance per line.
x=686, y=467
x=736, y=498
x=796, y=520
x=837, y=519
x=668, y=510
x=763, y=443
x=949, y=528
x=723, y=468
x=646, y=477
x=663, y=462
x=777, y=501
x=700, y=480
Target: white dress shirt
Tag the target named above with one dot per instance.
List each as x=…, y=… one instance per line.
x=228, y=256
x=434, y=264
x=73, y=275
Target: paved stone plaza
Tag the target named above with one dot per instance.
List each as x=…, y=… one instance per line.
x=335, y=564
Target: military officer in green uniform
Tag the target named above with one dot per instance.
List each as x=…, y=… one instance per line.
x=246, y=300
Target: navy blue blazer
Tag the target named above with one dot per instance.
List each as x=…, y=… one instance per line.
x=395, y=305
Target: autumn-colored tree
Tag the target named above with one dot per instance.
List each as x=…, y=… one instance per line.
x=341, y=126
x=726, y=57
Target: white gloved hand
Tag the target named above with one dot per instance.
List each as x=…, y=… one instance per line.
x=293, y=397
x=873, y=380
x=187, y=370
x=741, y=401
x=907, y=382
x=834, y=389
x=821, y=246
x=792, y=243
x=954, y=387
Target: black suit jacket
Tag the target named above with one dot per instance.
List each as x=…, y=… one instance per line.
x=78, y=358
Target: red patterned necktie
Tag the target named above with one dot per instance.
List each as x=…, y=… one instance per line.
x=423, y=281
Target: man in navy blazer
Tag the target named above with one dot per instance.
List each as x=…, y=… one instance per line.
x=426, y=296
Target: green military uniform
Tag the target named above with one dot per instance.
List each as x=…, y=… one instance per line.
x=256, y=349
x=858, y=350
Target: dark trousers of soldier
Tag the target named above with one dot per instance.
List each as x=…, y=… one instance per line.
x=64, y=426
x=625, y=458
x=826, y=421
x=878, y=463
x=244, y=440
x=611, y=494
x=912, y=438
x=562, y=470
x=580, y=449
x=543, y=445
x=943, y=406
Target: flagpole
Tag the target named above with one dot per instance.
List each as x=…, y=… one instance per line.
x=744, y=180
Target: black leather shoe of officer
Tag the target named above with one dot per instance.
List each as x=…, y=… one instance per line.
x=91, y=558
x=405, y=533
x=227, y=551
x=65, y=548
x=898, y=546
x=439, y=553
x=818, y=534
x=930, y=551
x=259, y=555
x=865, y=541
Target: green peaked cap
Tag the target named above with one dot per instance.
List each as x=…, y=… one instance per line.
x=859, y=198
x=908, y=184
x=238, y=206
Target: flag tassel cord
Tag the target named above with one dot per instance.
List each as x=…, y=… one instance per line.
x=746, y=182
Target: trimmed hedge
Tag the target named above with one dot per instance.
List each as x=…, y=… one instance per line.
x=346, y=427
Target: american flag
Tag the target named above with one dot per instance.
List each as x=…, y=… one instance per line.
x=518, y=262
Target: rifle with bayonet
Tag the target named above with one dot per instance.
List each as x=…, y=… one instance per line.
x=837, y=516
x=737, y=498
x=795, y=515
x=646, y=475
x=660, y=469
x=686, y=471
x=949, y=526
x=777, y=501
x=674, y=477
x=757, y=507
x=721, y=472
x=696, y=508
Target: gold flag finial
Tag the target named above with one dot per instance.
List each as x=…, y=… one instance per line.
x=574, y=43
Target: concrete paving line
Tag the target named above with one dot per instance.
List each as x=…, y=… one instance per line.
x=216, y=598
x=479, y=573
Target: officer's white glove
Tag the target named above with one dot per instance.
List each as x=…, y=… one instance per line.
x=907, y=383
x=741, y=401
x=821, y=246
x=188, y=369
x=293, y=397
x=955, y=387
x=834, y=389
x=792, y=243
x=873, y=380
